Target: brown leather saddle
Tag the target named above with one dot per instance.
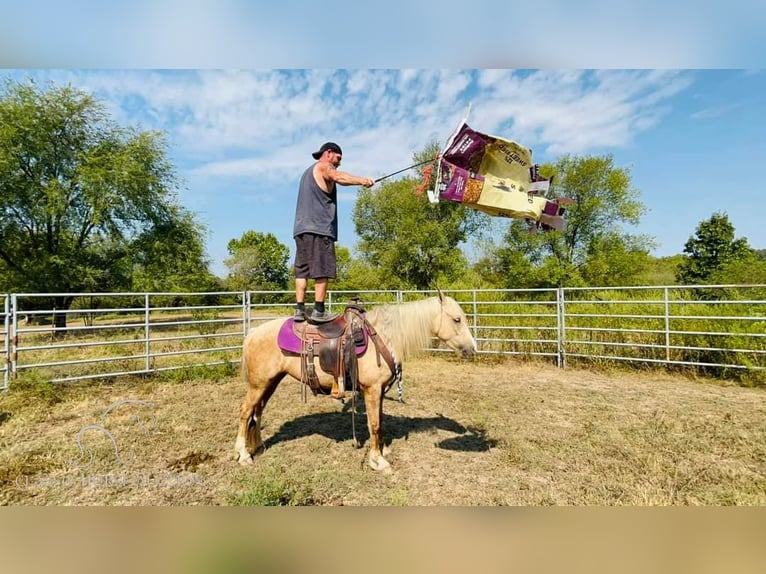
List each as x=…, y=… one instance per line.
x=336, y=344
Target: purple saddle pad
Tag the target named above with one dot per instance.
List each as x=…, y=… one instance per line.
x=290, y=342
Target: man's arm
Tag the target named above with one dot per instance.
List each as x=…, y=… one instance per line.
x=329, y=173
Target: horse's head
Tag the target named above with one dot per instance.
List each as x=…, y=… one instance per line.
x=451, y=326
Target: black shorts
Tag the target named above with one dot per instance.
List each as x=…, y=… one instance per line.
x=314, y=257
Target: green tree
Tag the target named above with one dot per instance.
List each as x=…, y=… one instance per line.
x=594, y=249
x=518, y=262
x=258, y=262
x=75, y=192
x=661, y=270
x=616, y=259
x=710, y=249
x=343, y=280
x=171, y=257
x=362, y=275
x=749, y=270
x=411, y=242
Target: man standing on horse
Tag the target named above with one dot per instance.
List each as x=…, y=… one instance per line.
x=316, y=228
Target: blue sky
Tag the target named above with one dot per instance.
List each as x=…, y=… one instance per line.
x=240, y=139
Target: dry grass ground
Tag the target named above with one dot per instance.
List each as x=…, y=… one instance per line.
x=469, y=433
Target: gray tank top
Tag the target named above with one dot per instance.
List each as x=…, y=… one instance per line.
x=316, y=211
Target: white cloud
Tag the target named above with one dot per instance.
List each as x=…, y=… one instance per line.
x=574, y=111
x=264, y=123
x=713, y=112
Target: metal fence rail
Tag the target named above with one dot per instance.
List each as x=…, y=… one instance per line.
x=716, y=326
x=100, y=335
x=112, y=334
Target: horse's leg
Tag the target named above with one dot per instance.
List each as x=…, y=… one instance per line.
x=249, y=427
x=257, y=442
x=373, y=402
x=249, y=435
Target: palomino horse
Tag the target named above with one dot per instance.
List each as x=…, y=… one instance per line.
x=405, y=329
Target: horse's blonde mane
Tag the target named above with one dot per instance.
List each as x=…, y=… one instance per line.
x=407, y=327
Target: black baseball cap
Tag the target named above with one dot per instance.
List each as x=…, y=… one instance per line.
x=325, y=146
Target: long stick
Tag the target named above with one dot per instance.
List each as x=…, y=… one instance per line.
x=405, y=169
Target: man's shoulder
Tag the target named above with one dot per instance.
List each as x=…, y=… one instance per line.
x=323, y=167
x=322, y=172
x=311, y=168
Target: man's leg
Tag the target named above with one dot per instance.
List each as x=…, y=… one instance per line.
x=320, y=290
x=300, y=298
x=300, y=290
x=302, y=269
x=323, y=264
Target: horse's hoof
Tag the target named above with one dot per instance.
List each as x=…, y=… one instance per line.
x=355, y=443
x=382, y=465
x=245, y=460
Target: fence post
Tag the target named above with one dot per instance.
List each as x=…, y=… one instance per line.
x=245, y=312
x=147, y=334
x=561, y=318
x=667, y=326
x=475, y=315
x=14, y=334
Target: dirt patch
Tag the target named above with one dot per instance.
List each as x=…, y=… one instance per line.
x=190, y=462
x=469, y=433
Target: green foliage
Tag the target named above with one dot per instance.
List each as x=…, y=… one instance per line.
x=206, y=315
x=414, y=243
x=710, y=249
x=33, y=385
x=273, y=488
x=411, y=242
x=81, y=199
x=213, y=373
x=430, y=152
x=749, y=270
x=353, y=272
x=362, y=275
x=522, y=261
x=170, y=256
x=615, y=260
x=405, y=241
x=660, y=270
x=258, y=262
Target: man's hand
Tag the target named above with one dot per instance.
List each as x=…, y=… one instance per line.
x=368, y=182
